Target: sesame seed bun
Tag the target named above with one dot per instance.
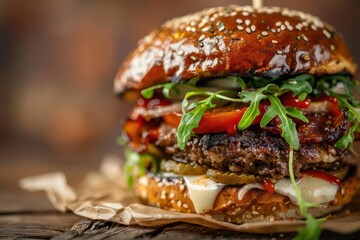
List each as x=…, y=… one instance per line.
x=172, y=194
x=233, y=40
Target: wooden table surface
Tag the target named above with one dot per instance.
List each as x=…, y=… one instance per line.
x=30, y=215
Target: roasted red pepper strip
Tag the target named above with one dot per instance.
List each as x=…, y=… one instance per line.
x=221, y=120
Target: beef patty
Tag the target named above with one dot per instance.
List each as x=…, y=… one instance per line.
x=253, y=151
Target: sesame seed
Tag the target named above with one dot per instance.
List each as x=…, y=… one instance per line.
x=289, y=27
x=253, y=28
x=179, y=203
x=182, y=187
x=264, y=33
x=221, y=28
x=247, y=22
x=248, y=30
x=180, y=53
x=193, y=58
x=274, y=41
x=163, y=195
x=202, y=37
x=188, y=28
x=245, y=14
x=313, y=27
x=160, y=184
x=172, y=195
x=278, y=30
x=278, y=24
x=298, y=38
x=206, y=29
x=239, y=21
x=193, y=29
x=240, y=27
x=185, y=205
x=279, y=52
x=274, y=209
x=332, y=47
x=273, y=30
x=305, y=38
x=326, y=33
x=255, y=213
x=282, y=27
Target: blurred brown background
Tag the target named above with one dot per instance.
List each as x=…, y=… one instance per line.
x=57, y=63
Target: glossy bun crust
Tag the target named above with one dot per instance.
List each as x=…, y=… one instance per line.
x=172, y=194
x=233, y=40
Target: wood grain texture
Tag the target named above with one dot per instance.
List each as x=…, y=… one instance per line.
x=88, y=229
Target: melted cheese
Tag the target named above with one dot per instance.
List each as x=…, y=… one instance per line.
x=313, y=190
x=202, y=192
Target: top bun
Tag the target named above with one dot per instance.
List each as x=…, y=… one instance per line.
x=234, y=40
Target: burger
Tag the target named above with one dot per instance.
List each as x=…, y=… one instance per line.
x=242, y=114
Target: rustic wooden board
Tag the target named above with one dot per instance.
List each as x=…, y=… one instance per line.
x=61, y=227
x=85, y=229
x=35, y=224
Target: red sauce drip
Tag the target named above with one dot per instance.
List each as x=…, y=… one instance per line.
x=152, y=135
x=293, y=101
x=268, y=186
x=336, y=112
x=323, y=175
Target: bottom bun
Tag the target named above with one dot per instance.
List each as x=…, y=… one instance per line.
x=170, y=193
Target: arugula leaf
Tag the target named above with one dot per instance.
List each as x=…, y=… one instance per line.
x=299, y=86
x=287, y=126
x=348, y=139
x=239, y=80
x=354, y=117
x=191, y=119
x=312, y=228
x=140, y=162
x=167, y=87
x=259, y=82
x=254, y=97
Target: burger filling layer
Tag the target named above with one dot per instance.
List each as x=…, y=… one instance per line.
x=260, y=133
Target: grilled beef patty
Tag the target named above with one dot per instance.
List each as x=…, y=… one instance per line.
x=254, y=151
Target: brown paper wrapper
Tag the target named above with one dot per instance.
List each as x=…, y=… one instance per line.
x=102, y=195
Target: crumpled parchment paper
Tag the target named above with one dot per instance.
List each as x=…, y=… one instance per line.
x=103, y=195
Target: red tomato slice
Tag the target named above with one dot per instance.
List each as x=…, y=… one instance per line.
x=323, y=175
x=217, y=120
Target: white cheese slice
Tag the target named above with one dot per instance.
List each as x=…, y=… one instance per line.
x=313, y=190
x=202, y=192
